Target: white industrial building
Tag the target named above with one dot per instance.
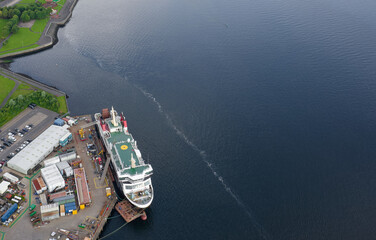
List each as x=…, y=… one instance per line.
x=38, y=149
x=65, y=168
x=4, y=186
x=51, y=161
x=52, y=178
x=10, y=177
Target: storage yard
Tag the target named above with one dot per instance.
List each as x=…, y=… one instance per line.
x=52, y=187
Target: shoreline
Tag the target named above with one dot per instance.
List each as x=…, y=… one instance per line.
x=49, y=36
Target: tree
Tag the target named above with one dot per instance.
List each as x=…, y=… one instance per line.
x=5, y=13
x=16, y=12
x=14, y=19
x=39, y=14
x=5, y=31
x=15, y=29
x=25, y=17
x=32, y=14
x=21, y=8
x=43, y=94
x=12, y=103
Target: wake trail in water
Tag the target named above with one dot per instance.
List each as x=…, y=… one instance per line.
x=260, y=229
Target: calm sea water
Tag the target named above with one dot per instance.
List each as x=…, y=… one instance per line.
x=258, y=117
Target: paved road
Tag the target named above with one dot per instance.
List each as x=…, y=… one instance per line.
x=8, y=3
x=41, y=118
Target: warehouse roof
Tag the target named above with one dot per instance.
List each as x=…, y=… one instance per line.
x=4, y=186
x=38, y=149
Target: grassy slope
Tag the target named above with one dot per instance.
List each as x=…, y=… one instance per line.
x=63, y=105
x=22, y=38
x=6, y=86
x=19, y=49
x=39, y=25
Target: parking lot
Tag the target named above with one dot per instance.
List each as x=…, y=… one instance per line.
x=39, y=118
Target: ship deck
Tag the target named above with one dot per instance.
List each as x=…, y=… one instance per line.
x=124, y=150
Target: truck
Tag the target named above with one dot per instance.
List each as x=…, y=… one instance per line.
x=32, y=207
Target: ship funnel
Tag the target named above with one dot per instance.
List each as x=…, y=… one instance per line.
x=133, y=162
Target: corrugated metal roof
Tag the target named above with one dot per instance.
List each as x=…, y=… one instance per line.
x=52, y=177
x=62, y=165
x=38, y=149
x=4, y=186
x=49, y=208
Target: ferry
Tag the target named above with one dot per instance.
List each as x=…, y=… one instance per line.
x=131, y=173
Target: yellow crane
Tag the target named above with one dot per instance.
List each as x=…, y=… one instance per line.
x=81, y=132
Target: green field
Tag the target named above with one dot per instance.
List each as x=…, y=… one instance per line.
x=39, y=25
x=23, y=89
x=6, y=86
x=63, y=105
x=23, y=38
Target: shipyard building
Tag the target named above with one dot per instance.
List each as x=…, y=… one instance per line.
x=40, y=148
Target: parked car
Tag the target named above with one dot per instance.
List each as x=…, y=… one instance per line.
x=32, y=106
x=25, y=129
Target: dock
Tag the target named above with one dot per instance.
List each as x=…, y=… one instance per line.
x=128, y=211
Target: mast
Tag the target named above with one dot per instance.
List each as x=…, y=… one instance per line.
x=114, y=122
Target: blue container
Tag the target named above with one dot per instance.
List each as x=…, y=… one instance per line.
x=70, y=204
x=59, y=122
x=10, y=211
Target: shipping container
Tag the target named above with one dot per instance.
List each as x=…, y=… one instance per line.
x=58, y=195
x=10, y=211
x=72, y=200
x=14, y=200
x=59, y=122
x=17, y=197
x=62, y=210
